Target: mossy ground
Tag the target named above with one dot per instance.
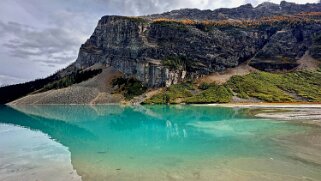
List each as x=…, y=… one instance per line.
x=302, y=86
x=190, y=93
x=172, y=94
x=286, y=87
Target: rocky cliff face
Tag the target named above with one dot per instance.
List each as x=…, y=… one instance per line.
x=124, y=43
x=285, y=47
x=162, y=52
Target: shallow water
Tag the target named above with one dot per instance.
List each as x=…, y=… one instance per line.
x=152, y=143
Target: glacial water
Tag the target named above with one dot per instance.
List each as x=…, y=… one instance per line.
x=137, y=143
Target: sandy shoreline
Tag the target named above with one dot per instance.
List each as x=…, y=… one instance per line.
x=304, y=113
x=268, y=105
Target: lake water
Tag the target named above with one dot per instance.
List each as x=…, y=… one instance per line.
x=140, y=143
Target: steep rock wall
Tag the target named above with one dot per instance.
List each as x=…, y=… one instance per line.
x=165, y=53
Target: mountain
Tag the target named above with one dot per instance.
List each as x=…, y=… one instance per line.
x=247, y=11
x=138, y=53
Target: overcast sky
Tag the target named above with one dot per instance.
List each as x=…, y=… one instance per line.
x=39, y=37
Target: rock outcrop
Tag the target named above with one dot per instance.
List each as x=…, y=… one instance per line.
x=164, y=52
x=285, y=48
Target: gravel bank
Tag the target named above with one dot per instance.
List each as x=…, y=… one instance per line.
x=97, y=90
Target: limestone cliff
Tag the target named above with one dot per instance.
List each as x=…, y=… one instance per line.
x=161, y=52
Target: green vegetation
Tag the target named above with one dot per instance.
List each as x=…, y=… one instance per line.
x=174, y=63
x=204, y=86
x=74, y=78
x=54, y=81
x=172, y=25
x=129, y=87
x=303, y=86
x=178, y=63
x=214, y=94
x=259, y=85
x=187, y=93
x=286, y=87
x=172, y=94
x=137, y=19
x=13, y=92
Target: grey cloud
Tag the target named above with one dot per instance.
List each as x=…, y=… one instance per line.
x=51, y=65
x=57, y=59
x=7, y=79
x=11, y=27
x=55, y=44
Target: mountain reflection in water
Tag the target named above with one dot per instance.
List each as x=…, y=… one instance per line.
x=113, y=142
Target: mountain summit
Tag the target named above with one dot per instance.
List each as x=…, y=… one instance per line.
x=247, y=11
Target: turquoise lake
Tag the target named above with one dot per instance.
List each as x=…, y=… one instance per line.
x=182, y=142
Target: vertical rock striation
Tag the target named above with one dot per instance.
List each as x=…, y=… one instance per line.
x=161, y=53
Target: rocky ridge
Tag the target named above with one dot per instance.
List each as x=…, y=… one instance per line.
x=247, y=11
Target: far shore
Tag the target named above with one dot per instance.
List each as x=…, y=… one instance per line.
x=303, y=113
x=268, y=105
x=247, y=104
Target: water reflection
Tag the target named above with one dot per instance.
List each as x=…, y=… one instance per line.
x=91, y=132
x=143, y=142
